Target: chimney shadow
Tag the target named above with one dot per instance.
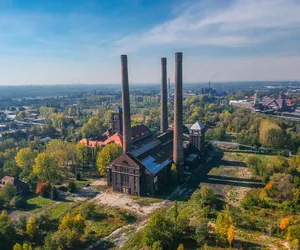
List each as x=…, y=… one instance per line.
x=227, y=178
x=233, y=163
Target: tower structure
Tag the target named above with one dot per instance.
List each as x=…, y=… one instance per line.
x=127, y=138
x=164, y=97
x=197, y=137
x=178, y=156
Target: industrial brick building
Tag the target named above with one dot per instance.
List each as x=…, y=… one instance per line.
x=144, y=167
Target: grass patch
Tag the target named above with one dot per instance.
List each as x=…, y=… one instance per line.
x=81, y=184
x=61, y=209
x=37, y=203
x=242, y=157
x=105, y=220
x=145, y=201
x=103, y=227
x=135, y=242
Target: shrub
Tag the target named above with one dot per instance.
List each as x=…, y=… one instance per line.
x=255, y=164
x=31, y=228
x=293, y=232
x=7, y=193
x=18, y=202
x=180, y=247
x=78, y=177
x=283, y=185
x=21, y=223
x=43, y=189
x=156, y=246
x=7, y=230
x=72, y=186
x=224, y=221
x=284, y=223
x=62, y=188
x=43, y=220
x=87, y=210
x=251, y=199
x=201, y=233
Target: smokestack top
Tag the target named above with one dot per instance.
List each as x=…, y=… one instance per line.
x=178, y=56
x=164, y=60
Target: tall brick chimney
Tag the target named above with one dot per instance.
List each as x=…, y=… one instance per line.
x=178, y=156
x=127, y=141
x=164, y=97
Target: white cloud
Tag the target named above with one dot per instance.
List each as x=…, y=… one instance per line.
x=241, y=23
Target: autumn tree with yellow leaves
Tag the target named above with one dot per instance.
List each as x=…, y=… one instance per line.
x=69, y=232
x=284, y=223
x=270, y=134
x=230, y=234
x=32, y=228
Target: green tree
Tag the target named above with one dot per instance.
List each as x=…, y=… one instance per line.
x=157, y=246
x=11, y=169
x=46, y=168
x=201, y=232
x=293, y=232
x=91, y=128
x=219, y=133
x=25, y=158
x=21, y=223
x=204, y=197
x=7, y=192
x=65, y=152
x=7, y=230
x=255, y=164
x=158, y=229
x=109, y=153
x=175, y=211
x=18, y=202
x=82, y=153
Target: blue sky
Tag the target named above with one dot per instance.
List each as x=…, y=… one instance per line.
x=80, y=41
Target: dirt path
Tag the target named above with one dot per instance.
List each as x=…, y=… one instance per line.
x=124, y=201
x=120, y=236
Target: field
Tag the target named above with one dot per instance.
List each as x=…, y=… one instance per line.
x=231, y=179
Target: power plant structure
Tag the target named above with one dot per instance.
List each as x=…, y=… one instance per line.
x=145, y=166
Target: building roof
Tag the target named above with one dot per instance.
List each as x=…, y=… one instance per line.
x=197, y=126
x=138, y=132
x=153, y=166
x=116, y=138
x=125, y=160
x=6, y=180
x=145, y=147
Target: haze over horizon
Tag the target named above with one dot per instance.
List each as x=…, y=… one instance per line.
x=75, y=41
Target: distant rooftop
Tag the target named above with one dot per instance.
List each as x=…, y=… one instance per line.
x=197, y=126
